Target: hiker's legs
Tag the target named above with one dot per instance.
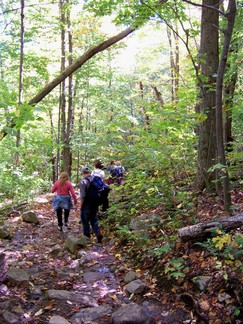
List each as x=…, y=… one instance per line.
x=105, y=205
x=59, y=217
x=66, y=215
x=110, y=181
x=84, y=216
x=95, y=225
x=105, y=199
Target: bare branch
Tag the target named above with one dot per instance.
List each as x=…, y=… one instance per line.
x=205, y=6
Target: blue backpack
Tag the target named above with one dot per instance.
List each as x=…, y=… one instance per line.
x=119, y=171
x=97, y=191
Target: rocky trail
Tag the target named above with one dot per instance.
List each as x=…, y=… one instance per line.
x=47, y=276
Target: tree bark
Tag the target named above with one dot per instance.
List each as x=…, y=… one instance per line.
x=21, y=67
x=200, y=230
x=158, y=96
x=62, y=94
x=209, y=54
x=223, y=173
x=143, y=109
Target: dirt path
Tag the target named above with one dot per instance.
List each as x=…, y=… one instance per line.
x=89, y=286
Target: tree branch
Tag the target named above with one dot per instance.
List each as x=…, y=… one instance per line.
x=79, y=62
x=205, y=6
x=71, y=69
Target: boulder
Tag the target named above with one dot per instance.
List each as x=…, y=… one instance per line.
x=135, y=287
x=30, y=217
x=132, y=314
x=73, y=243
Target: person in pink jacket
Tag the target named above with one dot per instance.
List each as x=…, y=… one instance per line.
x=62, y=200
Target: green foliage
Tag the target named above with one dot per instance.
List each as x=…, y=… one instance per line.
x=225, y=246
x=30, y=176
x=176, y=268
x=159, y=251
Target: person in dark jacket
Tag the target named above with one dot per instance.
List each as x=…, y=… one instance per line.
x=88, y=208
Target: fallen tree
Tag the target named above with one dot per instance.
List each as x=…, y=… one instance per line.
x=204, y=229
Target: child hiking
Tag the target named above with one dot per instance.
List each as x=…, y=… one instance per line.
x=62, y=200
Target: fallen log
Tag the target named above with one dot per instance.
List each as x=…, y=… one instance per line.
x=204, y=229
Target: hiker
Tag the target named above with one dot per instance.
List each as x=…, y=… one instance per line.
x=111, y=169
x=98, y=172
x=119, y=172
x=88, y=206
x=62, y=200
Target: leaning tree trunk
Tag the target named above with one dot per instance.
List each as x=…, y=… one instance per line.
x=209, y=54
x=71, y=69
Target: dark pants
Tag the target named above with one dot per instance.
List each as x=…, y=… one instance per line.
x=105, y=205
x=114, y=180
x=88, y=217
x=59, y=216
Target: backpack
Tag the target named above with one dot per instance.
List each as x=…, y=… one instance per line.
x=97, y=191
x=119, y=171
x=113, y=171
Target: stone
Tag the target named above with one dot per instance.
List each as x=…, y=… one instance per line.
x=92, y=313
x=135, y=287
x=73, y=243
x=92, y=276
x=132, y=314
x=130, y=276
x=56, y=250
x=58, y=320
x=30, y=217
x=71, y=296
x=202, y=282
x=9, y=317
x=4, y=232
x=17, y=276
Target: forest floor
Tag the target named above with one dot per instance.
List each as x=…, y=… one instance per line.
x=98, y=272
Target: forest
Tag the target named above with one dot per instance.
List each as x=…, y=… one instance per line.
x=156, y=85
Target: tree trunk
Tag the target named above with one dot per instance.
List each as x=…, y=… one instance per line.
x=174, y=63
x=67, y=152
x=223, y=173
x=144, y=113
x=158, y=96
x=209, y=54
x=62, y=102
x=229, y=91
x=21, y=66
x=201, y=230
